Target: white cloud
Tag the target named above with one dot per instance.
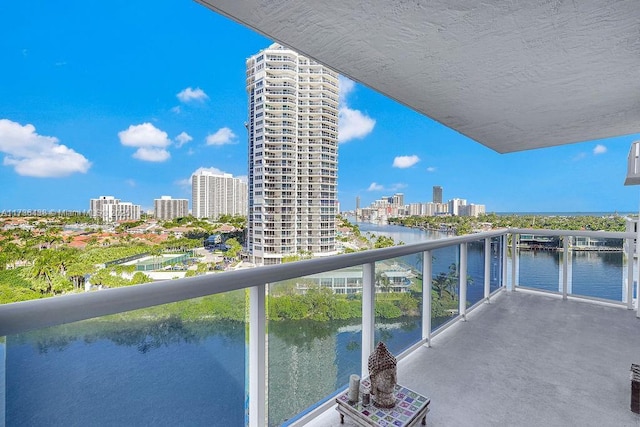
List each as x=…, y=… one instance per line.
x=211, y=170
x=579, y=156
x=398, y=186
x=185, y=182
x=375, y=187
x=37, y=155
x=150, y=141
x=130, y=182
x=346, y=87
x=176, y=109
x=150, y=154
x=221, y=137
x=353, y=124
x=189, y=94
x=144, y=135
x=182, y=139
x=599, y=149
x=404, y=162
x=432, y=169
x=378, y=187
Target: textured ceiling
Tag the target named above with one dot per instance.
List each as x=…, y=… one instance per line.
x=512, y=75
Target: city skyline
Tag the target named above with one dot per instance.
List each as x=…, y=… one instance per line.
x=134, y=102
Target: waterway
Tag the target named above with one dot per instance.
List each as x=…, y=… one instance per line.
x=169, y=372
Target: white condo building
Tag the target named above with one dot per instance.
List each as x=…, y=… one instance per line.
x=110, y=209
x=215, y=194
x=293, y=156
x=166, y=208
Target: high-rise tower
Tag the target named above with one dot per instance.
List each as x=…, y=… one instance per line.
x=293, y=156
x=167, y=208
x=215, y=194
x=437, y=194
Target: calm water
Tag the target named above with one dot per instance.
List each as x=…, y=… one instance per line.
x=165, y=372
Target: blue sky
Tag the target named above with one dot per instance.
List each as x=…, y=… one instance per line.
x=129, y=99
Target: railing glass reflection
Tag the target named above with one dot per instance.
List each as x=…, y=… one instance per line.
x=180, y=363
x=398, y=302
x=314, y=339
x=599, y=271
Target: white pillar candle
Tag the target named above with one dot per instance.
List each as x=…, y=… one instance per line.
x=354, y=388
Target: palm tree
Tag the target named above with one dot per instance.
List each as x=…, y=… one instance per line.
x=383, y=281
x=440, y=283
x=77, y=270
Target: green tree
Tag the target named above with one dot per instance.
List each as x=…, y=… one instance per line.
x=48, y=271
x=139, y=278
x=234, y=248
x=383, y=242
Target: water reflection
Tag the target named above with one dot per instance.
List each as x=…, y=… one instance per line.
x=136, y=372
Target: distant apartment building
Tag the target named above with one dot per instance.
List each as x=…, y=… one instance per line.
x=293, y=155
x=434, y=209
x=110, y=209
x=427, y=209
x=437, y=194
x=166, y=208
x=397, y=199
x=472, y=210
x=215, y=194
x=454, y=206
x=416, y=209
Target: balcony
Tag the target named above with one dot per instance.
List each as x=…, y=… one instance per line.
x=526, y=359
x=505, y=353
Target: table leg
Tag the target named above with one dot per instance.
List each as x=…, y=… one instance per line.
x=424, y=420
x=341, y=418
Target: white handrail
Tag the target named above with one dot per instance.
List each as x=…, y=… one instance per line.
x=35, y=314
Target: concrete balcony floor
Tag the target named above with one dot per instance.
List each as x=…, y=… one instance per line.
x=527, y=359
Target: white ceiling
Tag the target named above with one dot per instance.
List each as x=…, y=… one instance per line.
x=510, y=74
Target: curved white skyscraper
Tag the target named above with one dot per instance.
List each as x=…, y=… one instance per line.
x=293, y=156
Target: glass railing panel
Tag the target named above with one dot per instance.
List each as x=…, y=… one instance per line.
x=598, y=268
x=398, y=302
x=495, y=264
x=175, y=364
x=445, y=285
x=475, y=272
x=314, y=339
x=539, y=262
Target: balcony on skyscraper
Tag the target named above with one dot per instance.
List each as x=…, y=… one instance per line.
x=510, y=75
x=525, y=337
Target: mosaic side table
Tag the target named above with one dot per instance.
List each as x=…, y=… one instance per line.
x=411, y=408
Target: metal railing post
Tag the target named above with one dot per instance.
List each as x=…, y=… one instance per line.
x=565, y=266
x=426, y=296
x=3, y=380
x=629, y=294
x=487, y=268
x=368, y=314
x=257, y=356
x=636, y=254
x=514, y=260
x=462, y=309
x=503, y=256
